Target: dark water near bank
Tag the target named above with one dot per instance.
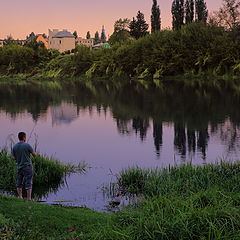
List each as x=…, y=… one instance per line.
x=113, y=127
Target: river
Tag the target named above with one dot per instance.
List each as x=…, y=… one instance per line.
x=114, y=127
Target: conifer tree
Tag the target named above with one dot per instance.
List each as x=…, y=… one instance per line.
x=133, y=28
x=138, y=27
x=75, y=34
x=189, y=11
x=88, y=36
x=103, y=35
x=155, y=17
x=201, y=11
x=96, y=38
x=177, y=14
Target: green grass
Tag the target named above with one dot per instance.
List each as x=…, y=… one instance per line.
x=182, y=180
x=36, y=221
x=179, y=203
x=185, y=202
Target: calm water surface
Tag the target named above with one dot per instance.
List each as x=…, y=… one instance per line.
x=112, y=127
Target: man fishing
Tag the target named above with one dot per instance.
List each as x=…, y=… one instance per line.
x=21, y=153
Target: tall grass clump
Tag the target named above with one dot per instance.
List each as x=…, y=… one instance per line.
x=48, y=172
x=184, y=179
x=184, y=202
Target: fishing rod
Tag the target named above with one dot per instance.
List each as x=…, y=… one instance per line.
x=32, y=131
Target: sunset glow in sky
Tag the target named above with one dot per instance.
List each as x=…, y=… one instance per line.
x=19, y=18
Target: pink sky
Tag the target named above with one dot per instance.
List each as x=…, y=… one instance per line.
x=19, y=18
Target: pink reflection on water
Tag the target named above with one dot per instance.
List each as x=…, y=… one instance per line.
x=73, y=134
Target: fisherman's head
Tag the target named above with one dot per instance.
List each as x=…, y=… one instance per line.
x=22, y=136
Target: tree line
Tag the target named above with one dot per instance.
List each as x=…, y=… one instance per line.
x=197, y=46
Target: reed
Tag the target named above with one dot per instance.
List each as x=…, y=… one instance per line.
x=48, y=172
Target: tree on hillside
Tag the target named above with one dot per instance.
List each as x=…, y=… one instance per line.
x=88, y=36
x=75, y=34
x=177, y=14
x=189, y=11
x=138, y=27
x=155, y=17
x=121, y=31
x=228, y=15
x=201, y=11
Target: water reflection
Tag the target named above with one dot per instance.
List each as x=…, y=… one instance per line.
x=113, y=127
x=65, y=113
x=196, y=117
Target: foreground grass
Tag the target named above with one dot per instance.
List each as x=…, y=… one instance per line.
x=185, y=202
x=29, y=220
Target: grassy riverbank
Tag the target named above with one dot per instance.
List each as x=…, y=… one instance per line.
x=29, y=220
x=180, y=203
x=201, y=81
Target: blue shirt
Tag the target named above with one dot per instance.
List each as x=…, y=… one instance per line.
x=21, y=152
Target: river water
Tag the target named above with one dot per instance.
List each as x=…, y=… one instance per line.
x=114, y=127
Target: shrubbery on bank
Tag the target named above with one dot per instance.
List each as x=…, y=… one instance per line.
x=194, y=49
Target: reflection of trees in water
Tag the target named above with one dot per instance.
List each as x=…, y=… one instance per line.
x=124, y=126
x=184, y=137
x=180, y=139
x=132, y=107
x=141, y=126
x=137, y=125
x=229, y=133
x=202, y=141
x=158, y=136
x=191, y=138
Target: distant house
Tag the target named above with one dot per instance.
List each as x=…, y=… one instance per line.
x=85, y=42
x=40, y=38
x=61, y=40
x=1, y=43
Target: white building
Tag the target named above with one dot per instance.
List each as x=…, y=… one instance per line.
x=61, y=40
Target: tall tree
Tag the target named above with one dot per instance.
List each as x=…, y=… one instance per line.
x=201, y=11
x=155, y=17
x=121, y=24
x=189, y=11
x=228, y=15
x=103, y=35
x=96, y=38
x=88, y=36
x=75, y=34
x=121, y=31
x=138, y=27
x=177, y=14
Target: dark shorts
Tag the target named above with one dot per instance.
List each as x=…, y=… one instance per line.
x=25, y=177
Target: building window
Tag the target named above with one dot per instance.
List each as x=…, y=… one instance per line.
x=60, y=41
